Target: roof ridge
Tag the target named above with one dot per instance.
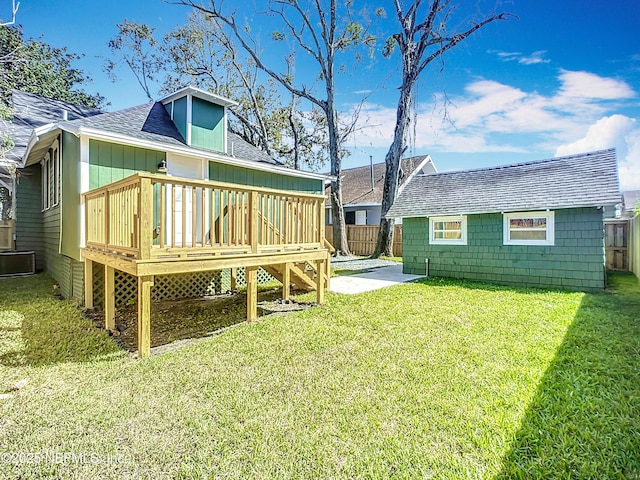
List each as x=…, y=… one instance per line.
x=531, y=162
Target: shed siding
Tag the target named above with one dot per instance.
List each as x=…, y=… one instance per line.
x=28, y=214
x=244, y=176
x=575, y=262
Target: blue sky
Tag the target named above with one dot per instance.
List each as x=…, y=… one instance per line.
x=563, y=79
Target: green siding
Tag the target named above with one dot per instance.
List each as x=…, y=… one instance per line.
x=207, y=125
x=575, y=262
x=110, y=162
x=180, y=116
x=28, y=213
x=70, y=243
x=244, y=176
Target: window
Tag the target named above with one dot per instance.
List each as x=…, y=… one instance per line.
x=448, y=230
x=51, y=177
x=529, y=228
x=361, y=217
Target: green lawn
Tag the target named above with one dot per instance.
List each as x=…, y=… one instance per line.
x=442, y=379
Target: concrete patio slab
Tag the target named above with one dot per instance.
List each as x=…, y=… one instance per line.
x=373, y=279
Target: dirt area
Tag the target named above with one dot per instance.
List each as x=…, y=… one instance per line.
x=179, y=321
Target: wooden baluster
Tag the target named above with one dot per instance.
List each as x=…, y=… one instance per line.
x=163, y=212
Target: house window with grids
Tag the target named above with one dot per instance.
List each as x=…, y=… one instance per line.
x=448, y=230
x=528, y=228
x=51, y=177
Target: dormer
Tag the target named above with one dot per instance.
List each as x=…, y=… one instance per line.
x=200, y=116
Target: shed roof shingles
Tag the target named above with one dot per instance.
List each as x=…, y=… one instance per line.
x=588, y=179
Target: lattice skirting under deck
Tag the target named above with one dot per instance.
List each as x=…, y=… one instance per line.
x=170, y=287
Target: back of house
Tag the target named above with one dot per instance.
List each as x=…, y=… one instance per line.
x=64, y=151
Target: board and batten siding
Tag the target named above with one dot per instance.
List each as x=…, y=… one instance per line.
x=207, y=125
x=110, y=162
x=257, y=178
x=575, y=262
x=28, y=214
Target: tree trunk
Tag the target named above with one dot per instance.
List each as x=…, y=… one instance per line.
x=337, y=211
x=384, y=244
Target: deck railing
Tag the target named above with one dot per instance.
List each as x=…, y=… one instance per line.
x=149, y=216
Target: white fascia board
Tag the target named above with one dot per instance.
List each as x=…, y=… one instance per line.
x=367, y=204
x=138, y=142
x=35, y=137
x=426, y=160
x=199, y=93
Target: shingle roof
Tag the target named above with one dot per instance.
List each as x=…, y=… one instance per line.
x=589, y=179
x=356, y=182
x=147, y=122
x=152, y=122
x=31, y=111
x=631, y=199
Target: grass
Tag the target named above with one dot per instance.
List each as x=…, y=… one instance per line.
x=442, y=379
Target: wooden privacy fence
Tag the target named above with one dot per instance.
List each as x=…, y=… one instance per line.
x=149, y=216
x=634, y=245
x=7, y=229
x=616, y=242
x=362, y=239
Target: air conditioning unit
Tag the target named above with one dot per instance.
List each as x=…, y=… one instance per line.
x=17, y=263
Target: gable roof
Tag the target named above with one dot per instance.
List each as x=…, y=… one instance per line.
x=584, y=180
x=152, y=122
x=39, y=120
x=356, y=182
x=30, y=111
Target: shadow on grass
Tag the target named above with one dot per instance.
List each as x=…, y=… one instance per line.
x=36, y=328
x=584, y=421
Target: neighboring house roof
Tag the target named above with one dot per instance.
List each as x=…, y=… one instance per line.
x=30, y=111
x=584, y=180
x=631, y=199
x=356, y=182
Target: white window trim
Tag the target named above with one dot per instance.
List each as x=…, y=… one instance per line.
x=51, y=179
x=507, y=217
x=448, y=241
x=359, y=215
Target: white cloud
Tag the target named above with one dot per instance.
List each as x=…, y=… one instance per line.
x=494, y=117
x=617, y=131
x=578, y=86
x=532, y=59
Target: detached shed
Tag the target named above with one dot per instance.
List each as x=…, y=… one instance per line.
x=534, y=224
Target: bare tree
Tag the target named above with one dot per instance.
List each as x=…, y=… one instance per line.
x=423, y=37
x=320, y=29
x=14, y=12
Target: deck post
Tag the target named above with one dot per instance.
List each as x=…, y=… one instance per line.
x=145, y=218
x=88, y=283
x=320, y=282
x=144, y=315
x=327, y=272
x=286, y=282
x=251, y=274
x=109, y=298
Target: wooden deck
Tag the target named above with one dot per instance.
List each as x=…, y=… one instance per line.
x=148, y=225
